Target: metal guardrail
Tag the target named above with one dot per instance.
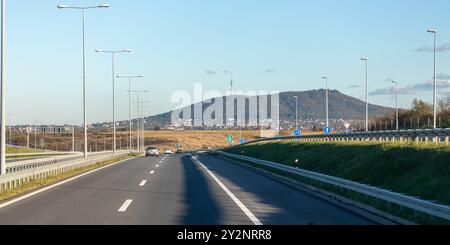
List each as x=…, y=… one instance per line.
x=427, y=207
x=36, y=163
x=37, y=154
x=24, y=174
x=417, y=135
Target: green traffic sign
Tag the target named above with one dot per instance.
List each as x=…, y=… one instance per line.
x=230, y=138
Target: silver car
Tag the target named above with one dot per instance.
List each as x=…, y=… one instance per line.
x=152, y=151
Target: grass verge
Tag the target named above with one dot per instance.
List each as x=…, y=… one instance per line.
x=41, y=183
x=19, y=150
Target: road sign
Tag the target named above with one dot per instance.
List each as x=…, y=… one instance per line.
x=230, y=138
x=297, y=132
x=243, y=141
x=327, y=130
x=179, y=146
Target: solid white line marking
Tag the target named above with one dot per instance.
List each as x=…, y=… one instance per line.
x=57, y=184
x=247, y=212
x=152, y=172
x=125, y=206
x=143, y=183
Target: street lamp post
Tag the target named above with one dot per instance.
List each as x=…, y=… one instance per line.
x=129, y=106
x=113, y=53
x=231, y=83
x=142, y=131
x=434, y=32
x=296, y=112
x=366, y=61
x=73, y=139
x=83, y=10
x=3, y=91
x=326, y=100
x=139, y=116
x=396, y=103
x=10, y=129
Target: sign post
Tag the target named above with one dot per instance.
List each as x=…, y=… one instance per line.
x=230, y=139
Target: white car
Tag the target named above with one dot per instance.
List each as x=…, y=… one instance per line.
x=168, y=152
x=152, y=152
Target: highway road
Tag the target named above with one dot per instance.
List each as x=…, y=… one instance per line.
x=174, y=190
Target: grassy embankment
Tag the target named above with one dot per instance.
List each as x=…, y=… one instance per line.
x=40, y=183
x=20, y=150
x=416, y=170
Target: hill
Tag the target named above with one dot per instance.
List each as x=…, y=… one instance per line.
x=311, y=105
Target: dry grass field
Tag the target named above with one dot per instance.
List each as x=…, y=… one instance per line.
x=195, y=140
x=102, y=140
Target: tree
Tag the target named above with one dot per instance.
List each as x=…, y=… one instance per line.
x=444, y=111
x=421, y=109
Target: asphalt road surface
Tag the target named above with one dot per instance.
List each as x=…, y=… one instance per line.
x=172, y=190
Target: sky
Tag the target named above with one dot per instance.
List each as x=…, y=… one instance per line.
x=276, y=45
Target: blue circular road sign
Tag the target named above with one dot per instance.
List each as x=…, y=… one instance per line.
x=297, y=132
x=327, y=130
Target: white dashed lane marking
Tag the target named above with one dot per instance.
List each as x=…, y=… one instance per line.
x=125, y=206
x=143, y=183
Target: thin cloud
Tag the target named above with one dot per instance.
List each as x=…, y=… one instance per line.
x=412, y=89
x=210, y=72
x=443, y=76
x=270, y=71
x=391, y=90
x=442, y=84
x=442, y=48
x=354, y=86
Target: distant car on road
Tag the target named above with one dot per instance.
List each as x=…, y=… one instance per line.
x=179, y=151
x=152, y=151
x=168, y=152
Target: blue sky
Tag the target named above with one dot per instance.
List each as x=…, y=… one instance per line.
x=175, y=43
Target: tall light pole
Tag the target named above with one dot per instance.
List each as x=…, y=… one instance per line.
x=396, y=103
x=3, y=92
x=10, y=129
x=231, y=83
x=129, y=105
x=138, y=102
x=296, y=112
x=73, y=139
x=83, y=10
x=366, y=61
x=434, y=32
x=142, y=131
x=326, y=100
x=113, y=54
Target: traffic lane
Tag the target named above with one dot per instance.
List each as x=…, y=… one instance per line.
x=275, y=203
x=92, y=199
x=180, y=193
x=176, y=192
